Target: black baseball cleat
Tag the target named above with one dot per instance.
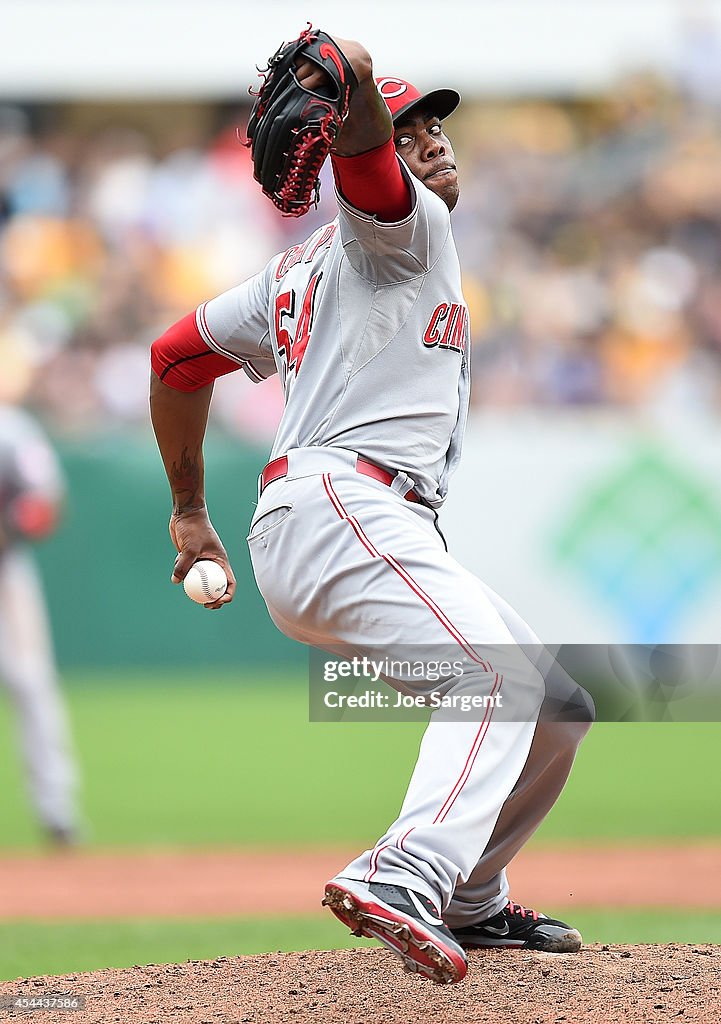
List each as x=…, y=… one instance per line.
x=404, y=921
x=519, y=927
x=63, y=837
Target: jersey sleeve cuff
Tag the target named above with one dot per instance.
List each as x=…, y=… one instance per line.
x=371, y=218
x=207, y=336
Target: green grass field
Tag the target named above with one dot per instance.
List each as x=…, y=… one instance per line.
x=182, y=761
x=29, y=948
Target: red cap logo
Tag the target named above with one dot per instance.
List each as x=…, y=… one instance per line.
x=397, y=93
x=401, y=96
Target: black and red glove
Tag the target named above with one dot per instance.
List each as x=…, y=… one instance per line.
x=291, y=128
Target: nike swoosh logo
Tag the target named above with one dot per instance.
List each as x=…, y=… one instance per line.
x=327, y=51
x=422, y=912
x=497, y=931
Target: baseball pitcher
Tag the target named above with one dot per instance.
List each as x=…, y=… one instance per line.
x=366, y=325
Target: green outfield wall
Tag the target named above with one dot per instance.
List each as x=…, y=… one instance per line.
x=596, y=528
x=107, y=570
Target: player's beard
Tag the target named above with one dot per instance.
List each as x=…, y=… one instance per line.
x=452, y=196
x=448, y=191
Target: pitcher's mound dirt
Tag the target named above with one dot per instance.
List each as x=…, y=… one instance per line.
x=636, y=984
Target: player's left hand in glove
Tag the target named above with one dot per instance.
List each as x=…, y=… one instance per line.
x=292, y=125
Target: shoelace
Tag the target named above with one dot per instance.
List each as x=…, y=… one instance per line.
x=516, y=908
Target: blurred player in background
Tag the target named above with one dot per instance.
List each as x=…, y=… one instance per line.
x=31, y=489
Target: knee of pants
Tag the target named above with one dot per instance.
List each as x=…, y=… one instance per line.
x=568, y=734
x=566, y=702
x=28, y=681
x=575, y=732
x=568, y=721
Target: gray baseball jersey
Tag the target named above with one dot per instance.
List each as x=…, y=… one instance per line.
x=366, y=324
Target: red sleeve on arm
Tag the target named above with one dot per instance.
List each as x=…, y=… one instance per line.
x=374, y=183
x=183, y=361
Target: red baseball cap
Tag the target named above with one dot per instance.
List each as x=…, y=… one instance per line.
x=401, y=98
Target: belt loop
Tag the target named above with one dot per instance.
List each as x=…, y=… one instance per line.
x=402, y=483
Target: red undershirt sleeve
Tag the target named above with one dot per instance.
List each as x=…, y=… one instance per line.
x=374, y=183
x=183, y=361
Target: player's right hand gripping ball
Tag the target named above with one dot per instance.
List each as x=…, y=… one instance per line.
x=291, y=128
x=205, y=581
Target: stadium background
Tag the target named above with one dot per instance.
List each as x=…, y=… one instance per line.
x=590, y=494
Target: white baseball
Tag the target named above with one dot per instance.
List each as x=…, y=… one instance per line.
x=205, y=581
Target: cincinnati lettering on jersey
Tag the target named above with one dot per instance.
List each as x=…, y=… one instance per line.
x=447, y=327
x=320, y=239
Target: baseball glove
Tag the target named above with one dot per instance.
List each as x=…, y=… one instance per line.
x=291, y=128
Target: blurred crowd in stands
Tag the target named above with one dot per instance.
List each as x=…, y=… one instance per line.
x=589, y=233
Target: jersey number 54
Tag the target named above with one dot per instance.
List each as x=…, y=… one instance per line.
x=293, y=348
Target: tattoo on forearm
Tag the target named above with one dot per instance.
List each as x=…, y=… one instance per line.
x=186, y=480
